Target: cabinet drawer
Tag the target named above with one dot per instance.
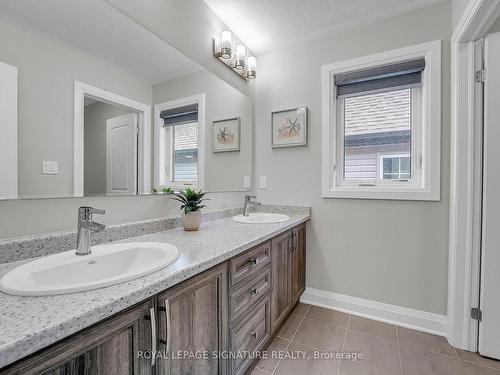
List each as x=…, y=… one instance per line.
x=250, y=263
x=250, y=335
x=249, y=293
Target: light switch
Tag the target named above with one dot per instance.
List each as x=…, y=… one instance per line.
x=50, y=167
x=263, y=182
x=246, y=181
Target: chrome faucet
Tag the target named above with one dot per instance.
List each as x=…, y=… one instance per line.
x=248, y=202
x=85, y=227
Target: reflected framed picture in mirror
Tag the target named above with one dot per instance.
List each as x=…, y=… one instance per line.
x=289, y=127
x=226, y=135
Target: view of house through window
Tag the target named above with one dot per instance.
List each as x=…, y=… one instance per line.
x=377, y=136
x=185, y=152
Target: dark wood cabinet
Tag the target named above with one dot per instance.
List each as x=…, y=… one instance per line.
x=192, y=327
x=193, y=322
x=112, y=347
x=280, y=278
x=298, y=263
x=288, y=261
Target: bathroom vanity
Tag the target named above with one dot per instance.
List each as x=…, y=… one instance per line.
x=210, y=321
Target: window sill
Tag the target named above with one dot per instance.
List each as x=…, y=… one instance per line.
x=386, y=193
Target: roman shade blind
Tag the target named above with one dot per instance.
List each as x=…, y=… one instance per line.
x=180, y=115
x=405, y=74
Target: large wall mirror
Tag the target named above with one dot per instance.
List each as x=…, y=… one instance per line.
x=92, y=103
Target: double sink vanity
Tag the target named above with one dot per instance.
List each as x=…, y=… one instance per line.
x=169, y=302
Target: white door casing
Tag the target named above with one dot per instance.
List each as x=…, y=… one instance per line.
x=121, y=154
x=489, y=327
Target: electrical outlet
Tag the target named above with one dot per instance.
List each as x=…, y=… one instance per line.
x=246, y=181
x=263, y=182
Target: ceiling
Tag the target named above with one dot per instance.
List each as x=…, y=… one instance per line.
x=264, y=25
x=99, y=29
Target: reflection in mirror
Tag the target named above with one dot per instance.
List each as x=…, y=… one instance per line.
x=94, y=90
x=110, y=148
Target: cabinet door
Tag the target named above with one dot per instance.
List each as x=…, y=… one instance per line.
x=298, y=263
x=112, y=347
x=192, y=323
x=280, y=278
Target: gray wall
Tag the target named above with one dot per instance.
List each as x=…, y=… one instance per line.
x=95, y=116
x=224, y=171
x=495, y=28
x=47, y=72
x=389, y=251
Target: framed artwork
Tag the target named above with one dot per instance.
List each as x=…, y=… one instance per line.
x=226, y=135
x=289, y=127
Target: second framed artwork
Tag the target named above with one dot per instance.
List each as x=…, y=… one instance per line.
x=226, y=135
x=289, y=127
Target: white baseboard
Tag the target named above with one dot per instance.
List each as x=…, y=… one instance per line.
x=401, y=316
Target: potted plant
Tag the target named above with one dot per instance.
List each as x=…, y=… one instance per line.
x=191, y=205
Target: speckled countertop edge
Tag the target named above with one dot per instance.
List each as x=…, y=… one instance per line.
x=28, y=324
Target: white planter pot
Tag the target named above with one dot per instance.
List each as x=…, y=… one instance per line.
x=191, y=221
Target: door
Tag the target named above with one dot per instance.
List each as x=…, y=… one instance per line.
x=298, y=263
x=112, y=347
x=280, y=278
x=193, y=326
x=8, y=131
x=489, y=327
x=121, y=154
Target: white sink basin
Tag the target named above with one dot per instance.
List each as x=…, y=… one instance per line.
x=261, y=218
x=107, y=265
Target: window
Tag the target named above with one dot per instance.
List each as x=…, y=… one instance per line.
x=179, y=139
x=395, y=167
x=381, y=128
x=185, y=153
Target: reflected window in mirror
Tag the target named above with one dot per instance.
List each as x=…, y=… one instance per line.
x=179, y=135
x=185, y=153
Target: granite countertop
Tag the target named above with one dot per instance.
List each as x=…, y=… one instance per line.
x=28, y=324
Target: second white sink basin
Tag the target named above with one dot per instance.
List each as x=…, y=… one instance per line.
x=106, y=265
x=261, y=218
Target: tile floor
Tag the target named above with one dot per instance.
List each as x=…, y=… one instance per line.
x=387, y=349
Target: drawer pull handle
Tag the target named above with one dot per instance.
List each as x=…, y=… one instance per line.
x=252, y=262
x=168, y=325
x=255, y=335
x=255, y=291
x=152, y=318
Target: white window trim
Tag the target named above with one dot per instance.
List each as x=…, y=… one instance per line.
x=144, y=140
x=381, y=157
x=429, y=187
x=159, y=162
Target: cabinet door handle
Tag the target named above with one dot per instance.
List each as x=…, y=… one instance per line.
x=167, y=324
x=255, y=291
x=252, y=262
x=152, y=318
x=255, y=335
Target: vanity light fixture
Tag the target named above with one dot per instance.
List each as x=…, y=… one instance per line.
x=226, y=47
x=251, y=67
x=241, y=54
x=235, y=58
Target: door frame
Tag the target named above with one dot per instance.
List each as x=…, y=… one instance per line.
x=144, y=138
x=465, y=181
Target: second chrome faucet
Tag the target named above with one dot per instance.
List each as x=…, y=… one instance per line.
x=248, y=203
x=85, y=227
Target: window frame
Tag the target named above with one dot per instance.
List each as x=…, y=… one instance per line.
x=426, y=141
x=164, y=143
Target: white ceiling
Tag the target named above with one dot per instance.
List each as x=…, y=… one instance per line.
x=99, y=29
x=267, y=24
